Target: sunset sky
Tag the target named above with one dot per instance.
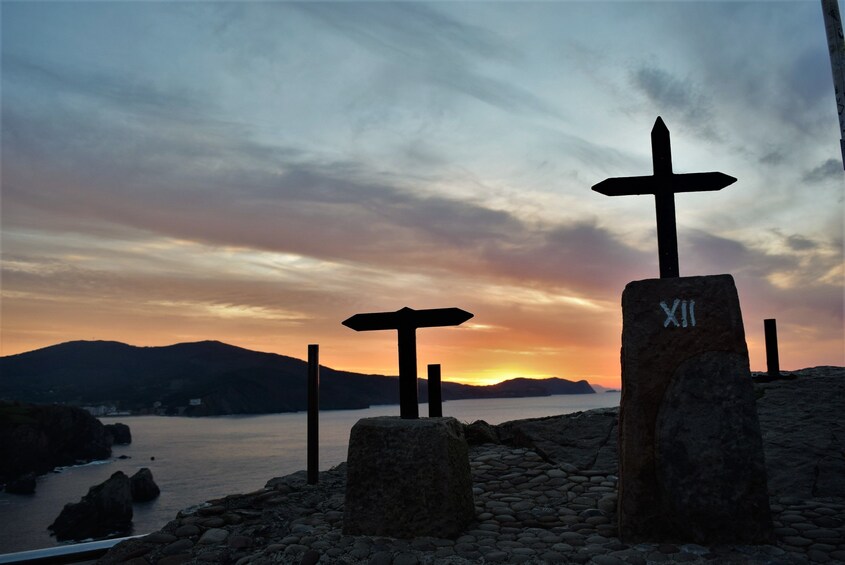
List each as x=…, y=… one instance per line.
x=255, y=173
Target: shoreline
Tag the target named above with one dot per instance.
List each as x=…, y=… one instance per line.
x=528, y=511
x=533, y=504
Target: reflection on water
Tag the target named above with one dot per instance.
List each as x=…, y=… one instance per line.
x=196, y=459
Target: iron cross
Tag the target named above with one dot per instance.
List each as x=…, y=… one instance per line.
x=406, y=321
x=663, y=184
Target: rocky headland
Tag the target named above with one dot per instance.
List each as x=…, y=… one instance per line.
x=35, y=439
x=545, y=492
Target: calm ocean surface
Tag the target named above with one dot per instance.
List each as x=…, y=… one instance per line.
x=197, y=459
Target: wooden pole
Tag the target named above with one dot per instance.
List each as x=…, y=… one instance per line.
x=435, y=399
x=772, y=362
x=664, y=202
x=313, y=412
x=408, y=398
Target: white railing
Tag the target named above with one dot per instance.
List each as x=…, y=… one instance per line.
x=71, y=553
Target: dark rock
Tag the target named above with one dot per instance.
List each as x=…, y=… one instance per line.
x=142, y=486
x=408, y=478
x=586, y=440
x=178, y=546
x=804, y=433
x=120, y=433
x=691, y=455
x=22, y=485
x=480, y=432
x=36, y=439
x=174, y=559
x=107, y=508
x=311, y=557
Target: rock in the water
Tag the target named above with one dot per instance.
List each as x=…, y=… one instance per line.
x=408, y=478
x=480, y=432
x=107, y=508
x=691, y=456
x=142, y=486
x=120, y=433
x=22, y=485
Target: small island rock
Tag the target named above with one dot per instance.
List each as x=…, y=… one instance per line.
x=143, y=487
x=107, y=508
x=120, y=433
x=24, y=484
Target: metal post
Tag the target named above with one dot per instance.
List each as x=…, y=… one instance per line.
x=435, y=399
x=313, y=412
x=771, y=330
x=836, y=46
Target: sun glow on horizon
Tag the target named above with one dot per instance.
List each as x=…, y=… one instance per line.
x=489, y=377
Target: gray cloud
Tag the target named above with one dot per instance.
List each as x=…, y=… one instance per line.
x=422, y=40
x=800, y=243
x=773, y=157
x=276, y=199
x=707, y=254
x=124, y=91
x=581, y=257
x=829, y=170
x=670, y=94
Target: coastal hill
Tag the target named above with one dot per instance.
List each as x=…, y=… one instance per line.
x=211, y=378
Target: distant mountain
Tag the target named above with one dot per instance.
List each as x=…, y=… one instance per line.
x=600, y=389
x=212, y=378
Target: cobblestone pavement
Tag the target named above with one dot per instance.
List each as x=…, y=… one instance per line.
x=528, y=511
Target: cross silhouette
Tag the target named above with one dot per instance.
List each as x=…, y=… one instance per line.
x=406, y=321
x=663, y=184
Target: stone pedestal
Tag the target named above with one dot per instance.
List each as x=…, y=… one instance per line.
x=408, y=478
x=691, y=463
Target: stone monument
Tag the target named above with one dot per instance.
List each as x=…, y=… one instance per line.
x=691, y=464
x=407, y=477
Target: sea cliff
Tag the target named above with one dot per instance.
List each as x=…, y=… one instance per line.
x=36, y=439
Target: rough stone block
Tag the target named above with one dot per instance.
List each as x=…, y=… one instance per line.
x=408, y=478
x=692, y=467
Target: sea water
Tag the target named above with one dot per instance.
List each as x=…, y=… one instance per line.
x=197, y=459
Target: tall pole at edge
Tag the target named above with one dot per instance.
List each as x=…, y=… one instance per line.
x=836, y=46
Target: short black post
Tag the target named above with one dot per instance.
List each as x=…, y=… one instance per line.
x=435, y=399
x=772, y=363
x=313, y=412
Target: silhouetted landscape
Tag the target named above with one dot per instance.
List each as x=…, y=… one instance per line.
x=210, y=378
